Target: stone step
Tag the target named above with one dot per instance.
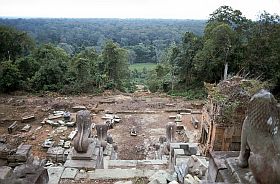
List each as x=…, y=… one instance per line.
x=147, y=164
x=103, y=174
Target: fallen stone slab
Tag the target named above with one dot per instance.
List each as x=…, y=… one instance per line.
x=26, y=128
x=58, y=112
x=55, y=174
x=79, y=107
x=70, y=124
x=72, y=134
x=28, y=173
x=61, y=122
x=53, y=116
x=27, y=118
x=13, y=127
x=22, y=153
x=185, y=113
x=69, y=173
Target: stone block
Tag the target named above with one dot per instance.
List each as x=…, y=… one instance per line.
x=55, y=174
x=78, y=108
x=27, y=118
x=5, y=172
x=26, y=128
x=84, y=156
x=81, y=164
x=69, y=173
x=196, y=166
x=23, y=152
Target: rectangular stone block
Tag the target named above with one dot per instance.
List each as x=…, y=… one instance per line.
x=55, y=174
x=23, y=152
x=84, y=156
x=69, y=173
x=81, y=164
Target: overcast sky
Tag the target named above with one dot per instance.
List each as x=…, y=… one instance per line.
x=173, y=9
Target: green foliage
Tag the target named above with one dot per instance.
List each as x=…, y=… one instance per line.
x=14, y=44
x=9, y=76
x=190, y=94
x=81, y=59
x=146, y=38
x=140, y=67
x=53, y=66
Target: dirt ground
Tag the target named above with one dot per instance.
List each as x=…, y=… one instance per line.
x=146, y=112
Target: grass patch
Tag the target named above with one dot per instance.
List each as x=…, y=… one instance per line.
x=139, y=66
x=190, y=94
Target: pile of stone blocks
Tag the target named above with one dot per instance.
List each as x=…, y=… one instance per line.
x=26, y=173
x=186, y=160
x=223, y=168
x=181, y=151
x=57, y=154
x=4, y=151
x=22, y=155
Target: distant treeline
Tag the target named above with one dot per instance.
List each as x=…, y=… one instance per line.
x=78, y=60
x=145, y=39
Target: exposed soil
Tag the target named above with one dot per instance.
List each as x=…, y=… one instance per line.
x=149, y=119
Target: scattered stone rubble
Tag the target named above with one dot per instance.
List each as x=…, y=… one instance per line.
x=21, y=166
x=92, y=156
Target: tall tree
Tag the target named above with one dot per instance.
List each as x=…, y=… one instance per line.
x=14, y=44
x=115, y=62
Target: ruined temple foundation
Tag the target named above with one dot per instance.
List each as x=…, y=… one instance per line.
x=223, y=168
x=90, y=160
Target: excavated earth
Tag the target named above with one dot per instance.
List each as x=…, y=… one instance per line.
x=148, y=113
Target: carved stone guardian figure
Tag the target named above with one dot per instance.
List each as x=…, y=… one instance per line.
x=81, y=141
x=171, y=128
x=260, y=139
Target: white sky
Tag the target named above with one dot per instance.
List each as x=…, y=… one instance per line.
x=173, y=9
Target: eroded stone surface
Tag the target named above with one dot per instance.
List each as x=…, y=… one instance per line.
x=81, y=141
x=69, y=173
x=260, y=138
x=55, y=174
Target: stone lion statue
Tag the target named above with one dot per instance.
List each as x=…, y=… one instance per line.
x=260, y=139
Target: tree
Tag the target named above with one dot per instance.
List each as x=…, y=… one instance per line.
x=14, y=44
x=231, y=17
x=190, y=46
x=263, y=51
x=9, y=76
x=115, y=64
x=218, y=48
x=53, y=67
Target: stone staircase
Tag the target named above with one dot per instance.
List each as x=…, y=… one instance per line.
x=113, y=169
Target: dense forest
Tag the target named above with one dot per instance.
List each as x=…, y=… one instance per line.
x=91, y=55
x=145, y=39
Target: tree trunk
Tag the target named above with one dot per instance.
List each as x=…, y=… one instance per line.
x=225, y=70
